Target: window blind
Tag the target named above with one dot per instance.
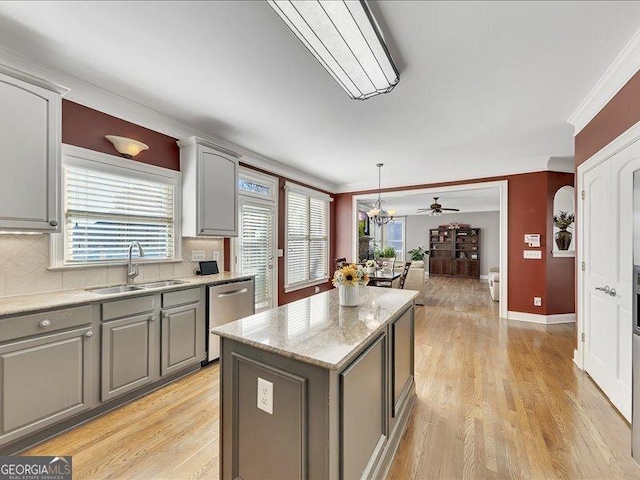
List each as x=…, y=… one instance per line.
x=105, y=212
x=256, y=247
x=307, y=238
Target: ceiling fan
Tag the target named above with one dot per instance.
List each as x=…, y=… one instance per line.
x=436, y=208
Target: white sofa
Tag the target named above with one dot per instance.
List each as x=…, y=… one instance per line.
x=494, y=283
x=415, y=279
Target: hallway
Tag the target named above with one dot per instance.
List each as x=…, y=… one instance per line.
x=503, y=399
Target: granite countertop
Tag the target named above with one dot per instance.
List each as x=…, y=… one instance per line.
x=25, y=304
x=316, y=329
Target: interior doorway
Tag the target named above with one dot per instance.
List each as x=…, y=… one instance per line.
x=490, y=196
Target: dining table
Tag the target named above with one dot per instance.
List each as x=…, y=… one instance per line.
x=382, y=278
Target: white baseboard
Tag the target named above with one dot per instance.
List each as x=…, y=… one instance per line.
x=576, y=359
x=484, y=278
x=543, y=319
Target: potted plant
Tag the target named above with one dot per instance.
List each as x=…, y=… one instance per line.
x=386, y=257
x=562, y=221
x=417, y=254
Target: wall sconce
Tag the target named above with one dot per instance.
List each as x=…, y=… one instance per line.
x=127, y=147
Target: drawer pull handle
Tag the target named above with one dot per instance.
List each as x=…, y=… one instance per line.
x=89, y=334
x=53, y=223
x=152, y=319
x=44, y=323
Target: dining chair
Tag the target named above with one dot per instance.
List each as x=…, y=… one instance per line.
x=403, y=276
x=340, y=262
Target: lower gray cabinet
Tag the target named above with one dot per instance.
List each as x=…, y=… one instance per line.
x=182, y=337
x=44, y=380
x=129, y=354
x=401, y=360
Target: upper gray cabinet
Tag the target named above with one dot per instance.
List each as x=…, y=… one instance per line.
x=209, y=189
x=30, y=140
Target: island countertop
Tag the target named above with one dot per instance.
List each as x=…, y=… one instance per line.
x=316, y=329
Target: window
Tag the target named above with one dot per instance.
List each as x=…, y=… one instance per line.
x=393, y=236
x=109, y=203
x=307, y=260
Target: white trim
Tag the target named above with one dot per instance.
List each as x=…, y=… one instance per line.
x=72, y=155
x=543, y=319
x=503, y=185
x=262, y=178
x=563, y=253
x=577, y=359
x=484, y=278
x=92, y=96
x=625, y=66
x=294, y=187
x=293, y=288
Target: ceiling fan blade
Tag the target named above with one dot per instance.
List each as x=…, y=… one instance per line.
x=452, y=209
x=424, y=209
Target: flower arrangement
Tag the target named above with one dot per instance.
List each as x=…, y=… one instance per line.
x=350, y=275
x=563, y=220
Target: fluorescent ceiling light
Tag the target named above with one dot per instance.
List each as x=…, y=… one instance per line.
x=344, y=37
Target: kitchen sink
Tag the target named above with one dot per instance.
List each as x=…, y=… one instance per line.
x=165, y=283
x=120, y=289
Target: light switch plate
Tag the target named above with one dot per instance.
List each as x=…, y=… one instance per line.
x=265, y=396
x=197, y=256
x=280, y=252
x=532, y=254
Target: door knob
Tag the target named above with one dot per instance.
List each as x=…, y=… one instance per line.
x=604, y=289
x=612, y=292
x=53, y=223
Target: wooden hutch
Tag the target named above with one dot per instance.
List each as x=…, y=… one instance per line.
x=454, y=251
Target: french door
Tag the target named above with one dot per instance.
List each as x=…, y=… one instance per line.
x=607, y=244
x=255, y=249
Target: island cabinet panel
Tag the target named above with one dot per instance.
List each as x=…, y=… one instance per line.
x=258, y=430
x=402, y=335
x=363, y=410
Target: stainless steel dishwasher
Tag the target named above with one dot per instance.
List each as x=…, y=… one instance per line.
x=225, y=303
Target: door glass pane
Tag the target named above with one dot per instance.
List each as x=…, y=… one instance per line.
x=256, y=249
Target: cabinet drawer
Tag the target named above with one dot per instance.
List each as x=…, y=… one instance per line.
x=181, y=297
x=39, y=323
x=128, y=307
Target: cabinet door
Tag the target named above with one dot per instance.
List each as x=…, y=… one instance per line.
x=218, y=197
x=30, y=148
x=401, y=360
x=129, y=354
x=183, y=338
x=44, y=380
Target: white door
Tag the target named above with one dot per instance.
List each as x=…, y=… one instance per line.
x=608, y=257
x=255, y=251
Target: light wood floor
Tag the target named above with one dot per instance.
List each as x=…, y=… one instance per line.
x=496, y=399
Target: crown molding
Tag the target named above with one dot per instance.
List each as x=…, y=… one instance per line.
x=90, y=95
x=625, y=66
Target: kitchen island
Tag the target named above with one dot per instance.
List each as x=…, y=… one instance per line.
x=315, y=390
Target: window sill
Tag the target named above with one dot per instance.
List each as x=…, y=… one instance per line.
x=118, y=263
x=293, y=288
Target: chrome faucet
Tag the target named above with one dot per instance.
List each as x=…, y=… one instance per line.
x=132, y=270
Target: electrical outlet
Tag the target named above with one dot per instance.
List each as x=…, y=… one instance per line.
x=197, y=256
x=265, y=396
x=216, y=256
x=317, y=289
x=537, y=301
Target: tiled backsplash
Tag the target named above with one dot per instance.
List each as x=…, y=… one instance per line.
x=24, y=260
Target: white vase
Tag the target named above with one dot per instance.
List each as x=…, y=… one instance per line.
x=348, y=295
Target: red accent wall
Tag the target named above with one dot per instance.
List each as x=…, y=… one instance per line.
x=617, y=116
x=528, y=200
x=85, y=127
x=561, y=272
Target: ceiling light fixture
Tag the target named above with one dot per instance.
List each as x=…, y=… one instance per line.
x=127, y=147
x=379, y=215
x=344, y=37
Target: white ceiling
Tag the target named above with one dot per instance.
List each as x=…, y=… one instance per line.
x=485, y=87
x=408, y=202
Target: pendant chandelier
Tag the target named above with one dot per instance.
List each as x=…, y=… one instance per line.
x=379, y=215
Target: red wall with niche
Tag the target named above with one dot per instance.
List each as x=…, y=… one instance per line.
x=284, y=297
x=528, y=198
x=85, y=127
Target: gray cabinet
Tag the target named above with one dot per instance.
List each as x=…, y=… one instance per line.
x=44, y=380
x=402, y=368
x=129, y=354
x=30, y=140
x=183, y=338
x=209, y=189
x=130, y=334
